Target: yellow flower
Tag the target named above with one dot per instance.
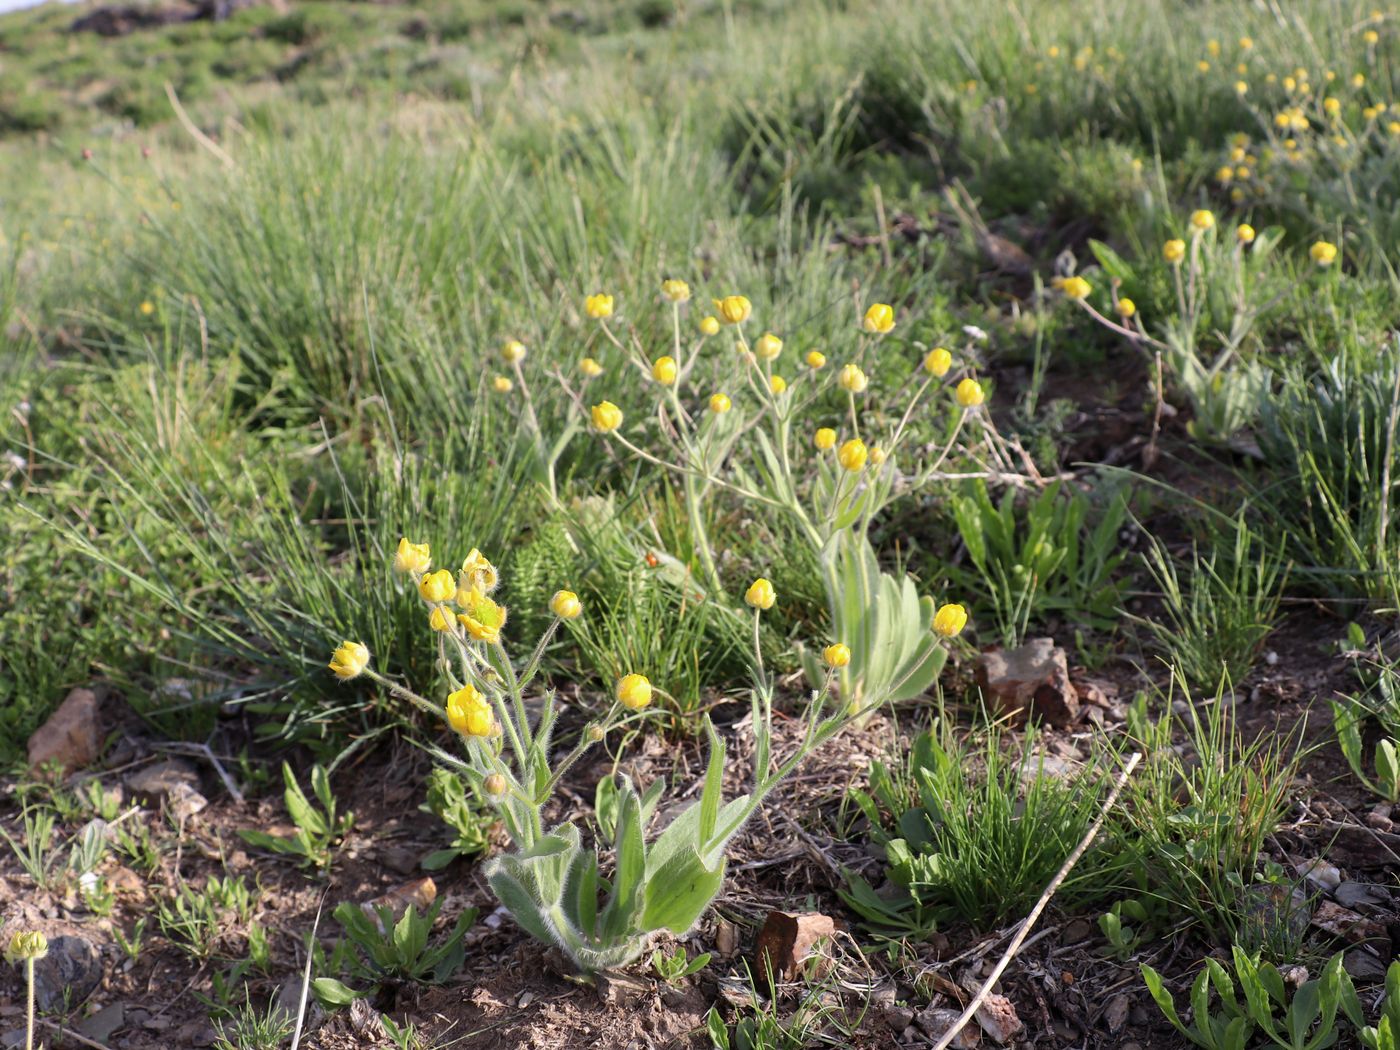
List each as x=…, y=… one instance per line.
x=760, y=594
x=147, y=308
x=1174, y=251
x=469, y=713
x=1323, y=253
x=1126, y=308
x=598, y=306
x=633, y=691
x=29, y=946
x=1246, y=43
x=1241, y=88
x=853, y=454
x=815, y=359
x=836, y=655
x=412, y=557
x=879, y=319
x=768, y=346
x=440, y=619
x=1332, y=106
x=675, y=291
x=733, y=309
x=938, y=362
x=482, y=617
x=1244, y=233
x=825, y=439
x=709, y=326
x=591, y=368
x=1370, y=36
x=1202, y=219
x=1358, y=80
x=1224, y=175
x=969, y=393
x=502, y=384
x=513, y=351
x=565, y=605
x=1213, y=47
x=1076, y=287
x=477, y=574
x=777, y=384
x=852, y=378
x=437, y=586
x=720, y=403
x=606, y=416
x=950, y=620
x=349, y=660
x=877, y=456
x=664, y=369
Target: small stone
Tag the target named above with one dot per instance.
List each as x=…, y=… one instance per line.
x=786, y=940
x=1115, y=1014
x=1346, y=924
x=68, y=974
x=934, y=1021
x=400, y=860
x=1360, y=894
x=1364, y=966
x=1379, y=817
x=155, y=783
x=897, y=1017
x=72, y=736
x=998, y=1019
x=616, y=988
x=1030, y=681
x=726, y=937
x=101, y=1025
x=1322, y=874
x=184, y=802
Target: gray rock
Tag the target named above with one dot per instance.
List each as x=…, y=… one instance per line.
x=72, y=736
x=101, y=1025
x=68, y=974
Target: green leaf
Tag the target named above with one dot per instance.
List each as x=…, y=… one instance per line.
x=331, y=994
x=681, y=891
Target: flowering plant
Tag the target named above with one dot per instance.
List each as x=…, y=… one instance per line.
x=745, y=439
x=552, y=884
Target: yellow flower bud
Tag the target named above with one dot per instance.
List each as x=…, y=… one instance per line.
x=675, y=291
x=852, y=378
x=591, y=368
x=815, y=359
x=768, y=346
x=950, y=620
x=565, y=605
x=777, y=384
x=969, y=393
x=477, y=573
x=853, y=454
x=349, y=660
x=879, y=319
x=836, y=655
x=606, y=416
x=664, y=370
x=513, y=351
x=760, y=594
x=938, y=362
x=1323, y=253
x=1174, y=250
x=440, y=619
x=598, y=306
x=502, y=384
x=412, y=557
x=437, y=586
x=825, y=439
x=147, y=308
x=709, y=326
x=1244, y=233
x=1202, y=219
x=27, y=946
x=633, y=691
x=1370, y=36
x=733, y=309
x=596, y=734
x=494, y=785
x=720, y=404
x=1126, y=308
x=1076, y=287
x=877, y=456
x=469, y=713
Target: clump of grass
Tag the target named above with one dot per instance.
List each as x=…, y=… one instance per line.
x=1216, y=614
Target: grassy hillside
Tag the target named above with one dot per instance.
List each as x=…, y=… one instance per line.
x=242, y=353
